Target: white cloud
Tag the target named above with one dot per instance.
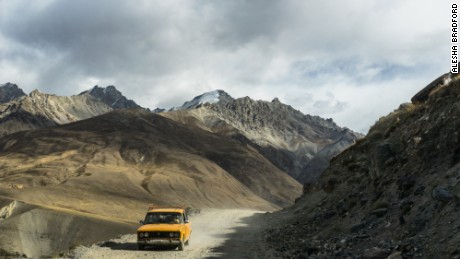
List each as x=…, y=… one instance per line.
x=370, y=55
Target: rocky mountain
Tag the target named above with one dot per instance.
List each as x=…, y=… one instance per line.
x=112, y=97
x=38, y=110
x=296, y=143
x=106, y=169
x=10, y=91
x=394, y=194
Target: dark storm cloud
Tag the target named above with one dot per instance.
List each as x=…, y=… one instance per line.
x=161, y=53
x=96, y=36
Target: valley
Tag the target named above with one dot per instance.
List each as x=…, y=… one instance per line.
x=76, y=189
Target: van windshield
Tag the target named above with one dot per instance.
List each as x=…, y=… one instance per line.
x=163, y=218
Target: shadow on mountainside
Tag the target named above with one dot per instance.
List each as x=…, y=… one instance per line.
x=246, y=241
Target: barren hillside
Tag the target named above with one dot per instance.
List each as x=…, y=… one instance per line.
x=113, y=165
x=396, y=192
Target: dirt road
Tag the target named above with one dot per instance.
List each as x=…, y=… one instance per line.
x=216, y=234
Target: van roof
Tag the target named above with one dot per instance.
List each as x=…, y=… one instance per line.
x=178, y=210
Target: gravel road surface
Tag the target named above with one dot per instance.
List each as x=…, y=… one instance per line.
x=215, y=234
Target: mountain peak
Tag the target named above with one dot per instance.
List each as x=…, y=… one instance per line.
x=35, y=92
x=207, y=97
x=111, y=96
x=10, y=91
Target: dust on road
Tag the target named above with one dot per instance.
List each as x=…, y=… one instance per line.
x=211, y=230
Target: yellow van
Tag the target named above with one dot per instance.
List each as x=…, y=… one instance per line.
x=164, y=226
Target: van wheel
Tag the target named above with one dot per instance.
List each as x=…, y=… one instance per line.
x=181, y=246
x=187, y=242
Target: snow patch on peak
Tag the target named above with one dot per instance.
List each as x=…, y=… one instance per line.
x=208, y=97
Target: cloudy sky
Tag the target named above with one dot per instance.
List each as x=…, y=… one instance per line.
x=353, y=61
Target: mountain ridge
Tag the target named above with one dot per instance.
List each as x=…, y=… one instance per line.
x=286, y=136
x=38, y=110
x=298, y=144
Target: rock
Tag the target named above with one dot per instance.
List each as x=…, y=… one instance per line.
x=396, y=255
x=329, y=214
x=423, y=95
x=310, y=249
x=402, y=221
x=379, y=212
x=375, y=253
x=420, y=190
x=442, y=193
x=418, y=224
x=383, y=153
x=357, y=227
x=406, y=206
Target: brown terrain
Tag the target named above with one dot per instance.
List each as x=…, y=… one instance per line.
x=394, y=194
x=103, y=172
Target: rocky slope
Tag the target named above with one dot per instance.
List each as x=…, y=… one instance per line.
x=111, y=166
x=112, y=97
x=38, y=110
x=296, y=143
x=10, y=91
x=395, y=193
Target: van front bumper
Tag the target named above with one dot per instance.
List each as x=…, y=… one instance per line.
x=159, y=241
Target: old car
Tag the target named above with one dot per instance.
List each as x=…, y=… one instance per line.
x=164, y=227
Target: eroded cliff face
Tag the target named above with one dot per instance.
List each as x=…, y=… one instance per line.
x=299, y=144
x=395, y=192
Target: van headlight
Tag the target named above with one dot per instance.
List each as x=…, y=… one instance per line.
x=141, y=234
x=177, y=234
x=146, y=234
